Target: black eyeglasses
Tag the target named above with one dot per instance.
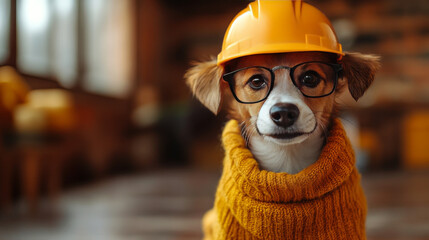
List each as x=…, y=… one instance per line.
x=254, y=84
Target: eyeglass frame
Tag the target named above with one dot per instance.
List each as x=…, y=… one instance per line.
x=336, y=66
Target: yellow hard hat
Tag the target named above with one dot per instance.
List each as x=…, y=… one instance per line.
x=277, y=26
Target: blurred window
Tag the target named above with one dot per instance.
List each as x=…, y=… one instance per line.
x=108, y=46
x=65, y=41
x=4, y=29
x=33, y=36
x=50, y=33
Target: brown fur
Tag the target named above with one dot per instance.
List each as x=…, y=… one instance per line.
x=204, y=79
x=359, y=70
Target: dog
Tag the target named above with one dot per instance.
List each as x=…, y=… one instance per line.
x=289, y=169
x=294, y=142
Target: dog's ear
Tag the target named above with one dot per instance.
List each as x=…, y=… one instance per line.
x=204, y=80
x=359, y=70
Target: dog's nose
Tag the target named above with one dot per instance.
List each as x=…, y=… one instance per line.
x=284, y=114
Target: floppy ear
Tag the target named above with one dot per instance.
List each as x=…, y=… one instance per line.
x=204, y=80
x=359, y=70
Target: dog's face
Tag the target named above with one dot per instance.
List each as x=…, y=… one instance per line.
x=286, y=116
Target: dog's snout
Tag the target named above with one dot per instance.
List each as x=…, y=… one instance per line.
x=284, y=114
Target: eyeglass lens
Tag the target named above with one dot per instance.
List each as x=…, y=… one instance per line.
x=252, y=84
x=314, y=79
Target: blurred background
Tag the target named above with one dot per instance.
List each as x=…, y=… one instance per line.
x=101, y=139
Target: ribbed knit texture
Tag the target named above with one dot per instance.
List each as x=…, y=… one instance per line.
x=324, y=201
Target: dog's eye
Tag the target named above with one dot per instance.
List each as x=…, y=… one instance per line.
x=310, y=79
x=257, y=82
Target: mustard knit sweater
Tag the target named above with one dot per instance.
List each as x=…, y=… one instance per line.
x=324, y=201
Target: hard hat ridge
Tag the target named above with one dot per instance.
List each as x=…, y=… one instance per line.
x=297, y=5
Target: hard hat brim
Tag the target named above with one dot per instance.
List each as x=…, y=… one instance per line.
x=233, y=53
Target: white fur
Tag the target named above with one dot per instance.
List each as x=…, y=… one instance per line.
x=286, y=155
x=291, y=158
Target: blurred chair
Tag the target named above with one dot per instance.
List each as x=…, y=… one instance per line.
x=145, y=142
x=35, y=128
x=13, y=91
x=42, y=126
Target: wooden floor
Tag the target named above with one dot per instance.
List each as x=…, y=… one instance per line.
x=169, y=205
